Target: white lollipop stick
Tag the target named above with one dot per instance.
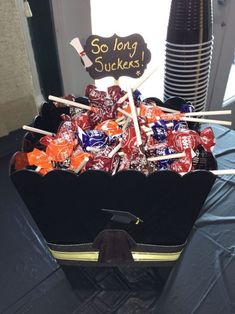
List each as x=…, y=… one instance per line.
x=69, y=102
x=168, y=109
x=217, y=172
x=126, y=124
x=78, y=47
x=115, y=150
x=121, y=154
x=36, y=130
x=144, y=79
x=82, y=164
x=93, y=149
x=122, y=122
x=123, y=98
x=171, y=156
x=208, y=113
x=119, y=119
x=127, y=114
x=134, y=117
x=146, y=129
x=223, y=172
x=206, y=120
x=149, y=133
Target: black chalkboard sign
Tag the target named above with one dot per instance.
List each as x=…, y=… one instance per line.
x=117, y=56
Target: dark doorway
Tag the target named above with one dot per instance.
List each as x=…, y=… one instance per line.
x=41, y=28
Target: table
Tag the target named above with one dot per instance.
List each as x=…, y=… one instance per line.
x=202, y=280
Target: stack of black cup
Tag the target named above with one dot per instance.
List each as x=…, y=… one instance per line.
x=188, y=50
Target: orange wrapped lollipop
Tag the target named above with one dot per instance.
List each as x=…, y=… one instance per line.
x=40, y=159
x=78, y=160
x=59, y=149
x=149, y=111
x=109, y=127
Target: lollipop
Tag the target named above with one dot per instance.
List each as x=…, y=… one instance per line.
x=102, y=161
x=40, y=159
x=149, y=111
x=160, y=130
x=68, y=97
x=109, y=127
x=59, y=149
x=115, y=93
x=77, y=158
x=182, y=140
x=82, y=120
x=129, y=140
x=94, y=95
x=184, y=164
x=92, y=138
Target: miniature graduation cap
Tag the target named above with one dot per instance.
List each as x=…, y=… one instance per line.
x=122, y=216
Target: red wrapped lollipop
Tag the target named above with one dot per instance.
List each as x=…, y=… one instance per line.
x=20, y=160
x=181, y=140
x=102, y=161
x=129, y=140
x=183, y=164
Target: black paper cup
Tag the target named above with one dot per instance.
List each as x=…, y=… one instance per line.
x=185, y=66
x=185, y=89
x=200, y=75
x=187, y=50
x=190, y=22
x=176, y=60
x=190, y=46
x=186, y=85
x=196, y=95
x=192, y=70
x=186, y=80
x=196, y=98
x=187, y=55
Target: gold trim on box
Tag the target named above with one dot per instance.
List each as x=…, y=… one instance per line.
x=155, y=256
x=92, y=256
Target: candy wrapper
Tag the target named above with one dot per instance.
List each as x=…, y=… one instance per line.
x=101, y=161
x=41, y=160
x=77, y=158
x=184, y=164
x=138, y=161
x=181, y=140
x=59, y=149
x=110, y=128
x=129, y=141
x=68, y=97
x=92, y=138
x=103, y=138
x=149, y=111
x=160, y=130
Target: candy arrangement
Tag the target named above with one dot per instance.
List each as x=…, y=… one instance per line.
x=119, y=131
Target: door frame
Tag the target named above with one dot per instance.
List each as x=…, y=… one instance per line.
x=223, y=54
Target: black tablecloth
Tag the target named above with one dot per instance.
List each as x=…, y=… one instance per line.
x=203, y=280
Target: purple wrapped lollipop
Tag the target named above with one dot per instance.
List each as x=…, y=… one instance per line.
x=160, y=130
x=92, y=138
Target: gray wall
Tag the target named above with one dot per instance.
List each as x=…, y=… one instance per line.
x=72, y=19
x=17, y=104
